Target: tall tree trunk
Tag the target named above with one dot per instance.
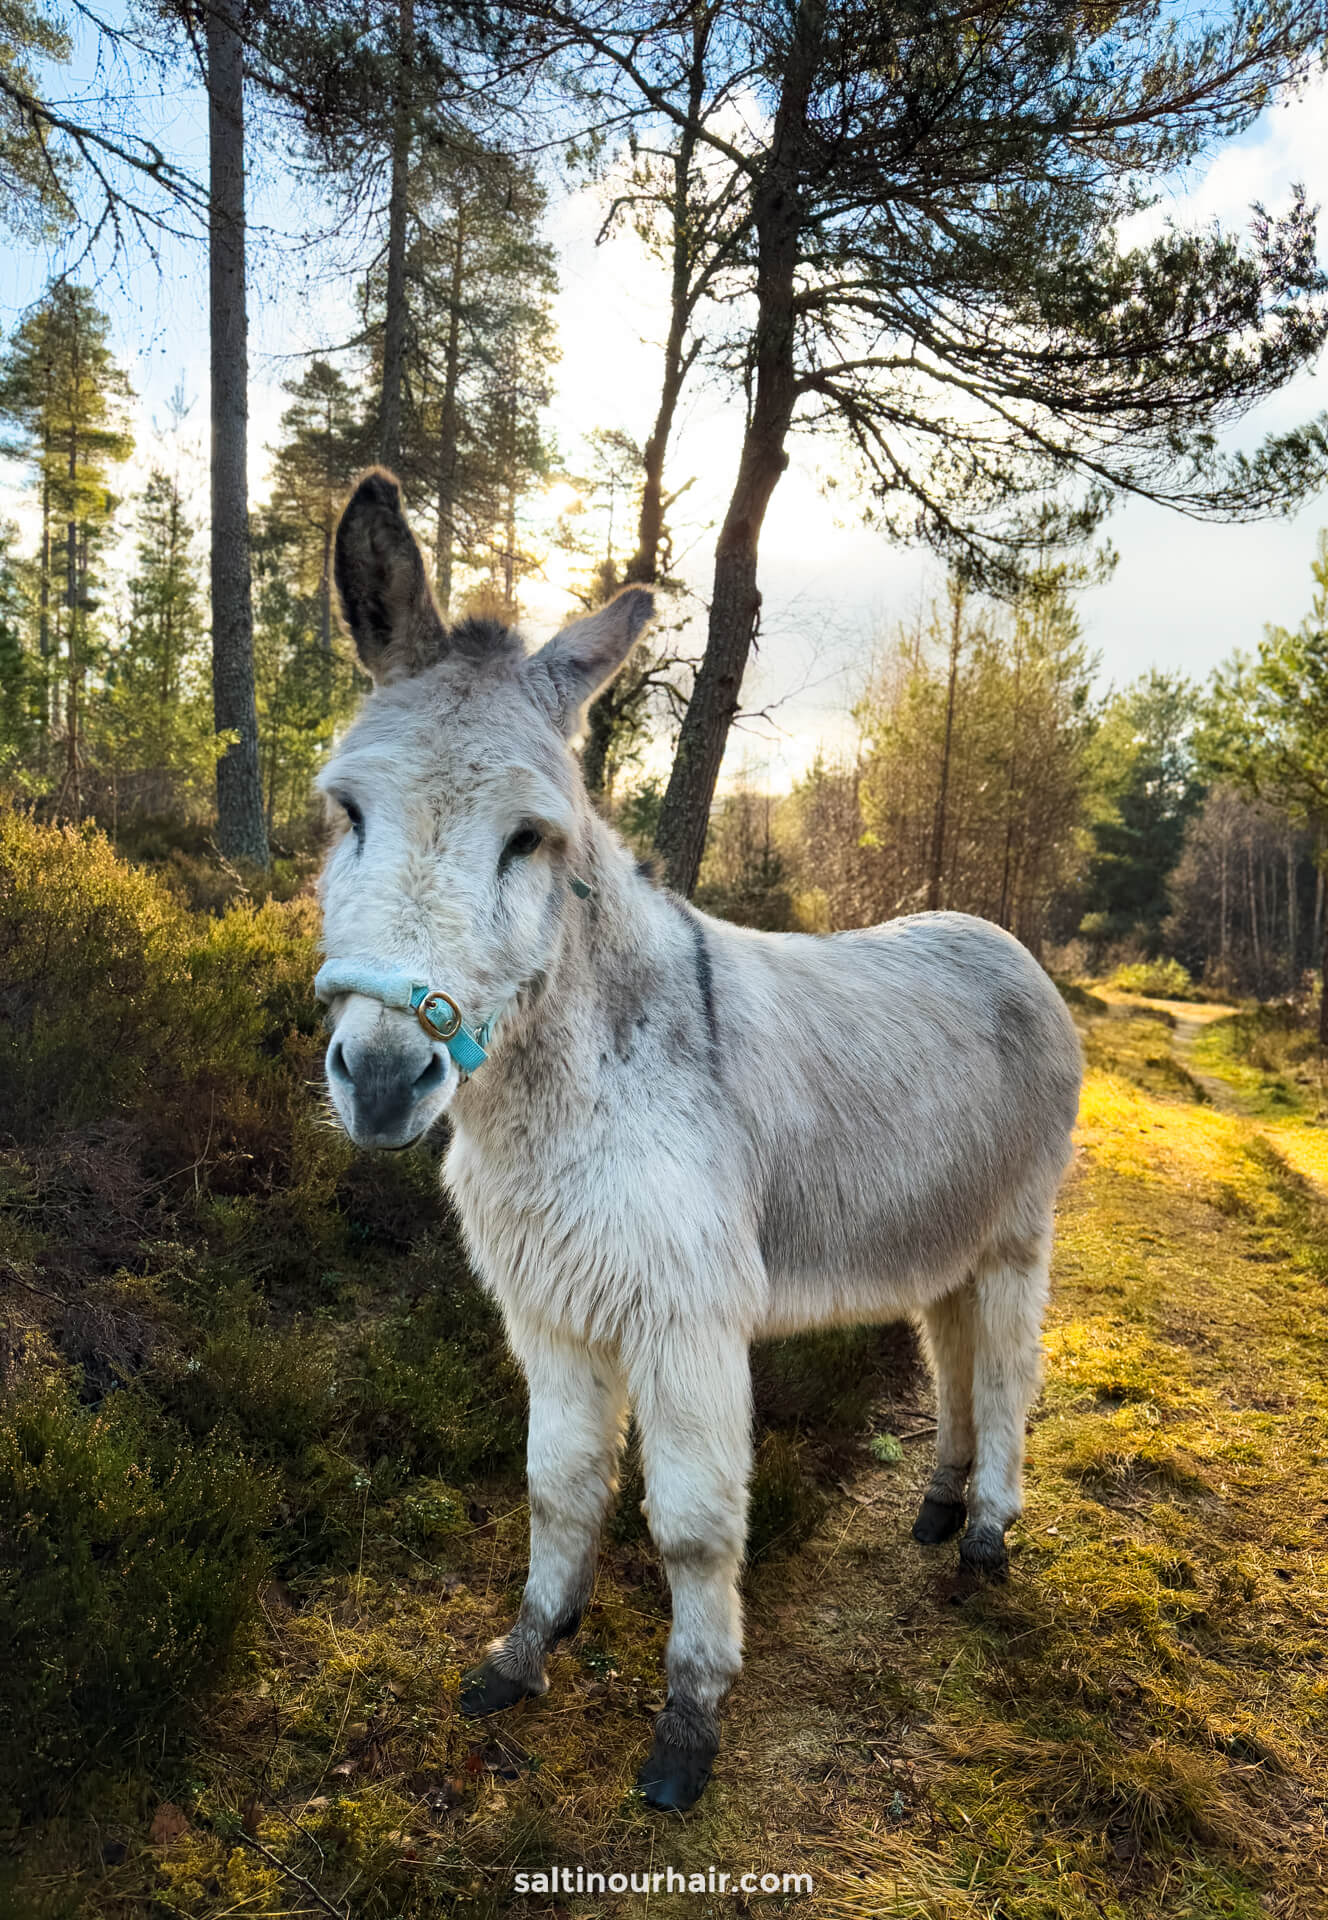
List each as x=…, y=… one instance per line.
x=445, y=545
x=71, y=593
x=735, y=603
x=394, y=323
x=1003, y=916
x=509, y=551
x=1323, y=984
x=44, y=591
x=328, y=529
x=1225, y=905
x=325, y=592
x=241, y=830
x=943, y=792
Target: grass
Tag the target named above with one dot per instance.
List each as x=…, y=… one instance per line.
x=1270, y=1060
x=1131, y=1729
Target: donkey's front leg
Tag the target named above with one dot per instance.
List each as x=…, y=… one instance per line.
x=577, y=1419
x=691, y=1393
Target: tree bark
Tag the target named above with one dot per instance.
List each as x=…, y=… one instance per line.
x=44, y=590
x=328, y=530
x=241, y=830
x=735, y=601
x=70, y=783
x=943, y=795
x=1323, y=993
x=394, y=322
x=445, y=545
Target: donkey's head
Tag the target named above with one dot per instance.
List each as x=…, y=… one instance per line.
x=462, y=820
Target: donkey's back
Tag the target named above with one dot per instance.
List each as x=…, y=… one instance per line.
x=908, y=1093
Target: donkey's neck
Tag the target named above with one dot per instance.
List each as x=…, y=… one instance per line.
x=617, y=954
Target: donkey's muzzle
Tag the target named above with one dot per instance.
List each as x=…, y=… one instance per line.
x=386, y=1085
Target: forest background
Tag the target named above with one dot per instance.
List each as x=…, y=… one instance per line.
x=966, y=746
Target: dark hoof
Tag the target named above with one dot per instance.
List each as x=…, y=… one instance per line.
x=487, y=1689
x=983, y=1551
x=674, y=1778
x=938, y=1520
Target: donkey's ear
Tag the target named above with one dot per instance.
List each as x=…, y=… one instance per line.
x=384, y=591
x=583, y=657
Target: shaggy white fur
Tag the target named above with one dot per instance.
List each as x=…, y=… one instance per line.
x=687, y=1135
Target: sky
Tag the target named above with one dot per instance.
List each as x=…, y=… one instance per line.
x=1183, y=595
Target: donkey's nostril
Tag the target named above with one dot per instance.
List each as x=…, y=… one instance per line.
x=336, y=1063
x=432, y=1077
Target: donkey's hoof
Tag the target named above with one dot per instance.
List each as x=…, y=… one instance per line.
x=983, y=1550
x=674, y=1778
x=487, y=1689
x=938, y=1520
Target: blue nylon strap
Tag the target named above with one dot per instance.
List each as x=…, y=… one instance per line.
x=466, y=1046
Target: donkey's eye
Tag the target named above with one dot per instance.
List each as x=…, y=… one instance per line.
x=353, y=814
x=522, y=843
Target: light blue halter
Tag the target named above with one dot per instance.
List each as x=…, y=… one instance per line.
x=436, y=1011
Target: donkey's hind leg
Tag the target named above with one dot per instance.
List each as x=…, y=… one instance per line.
x=577, y=1419
x=1011, y=1294
x=949, y=1330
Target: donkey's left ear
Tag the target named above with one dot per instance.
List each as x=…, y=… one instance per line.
x=383, y=588
x=581, y=659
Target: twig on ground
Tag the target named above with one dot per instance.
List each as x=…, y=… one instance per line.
x=292, y=1873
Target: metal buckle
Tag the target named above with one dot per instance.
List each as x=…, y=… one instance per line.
x=424, y=1009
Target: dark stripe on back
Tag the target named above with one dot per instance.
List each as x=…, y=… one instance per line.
x=705, y=979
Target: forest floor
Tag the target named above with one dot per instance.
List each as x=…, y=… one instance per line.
x=1133, y=1726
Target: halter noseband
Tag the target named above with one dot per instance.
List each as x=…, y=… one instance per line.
x=436, y=1011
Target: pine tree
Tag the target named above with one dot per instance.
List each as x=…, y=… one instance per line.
x=20, y=684
x=240, y=829
x=1269, y=727
x=477, y=359
x=34, y=164
x=1150, y=789
x=325, y=440
x=60, y=384
x=154, y=735
x=934, y=267
x=305, y=681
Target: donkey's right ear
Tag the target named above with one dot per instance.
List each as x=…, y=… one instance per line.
x=384, y=591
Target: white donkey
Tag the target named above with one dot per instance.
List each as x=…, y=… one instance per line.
x=670, y=1136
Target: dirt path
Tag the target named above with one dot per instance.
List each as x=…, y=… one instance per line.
x=1302, y=1141
x=1191, y=1019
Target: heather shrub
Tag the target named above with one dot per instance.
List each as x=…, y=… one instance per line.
x=132, y=1560
x=113, y=996
x=1162, y=979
